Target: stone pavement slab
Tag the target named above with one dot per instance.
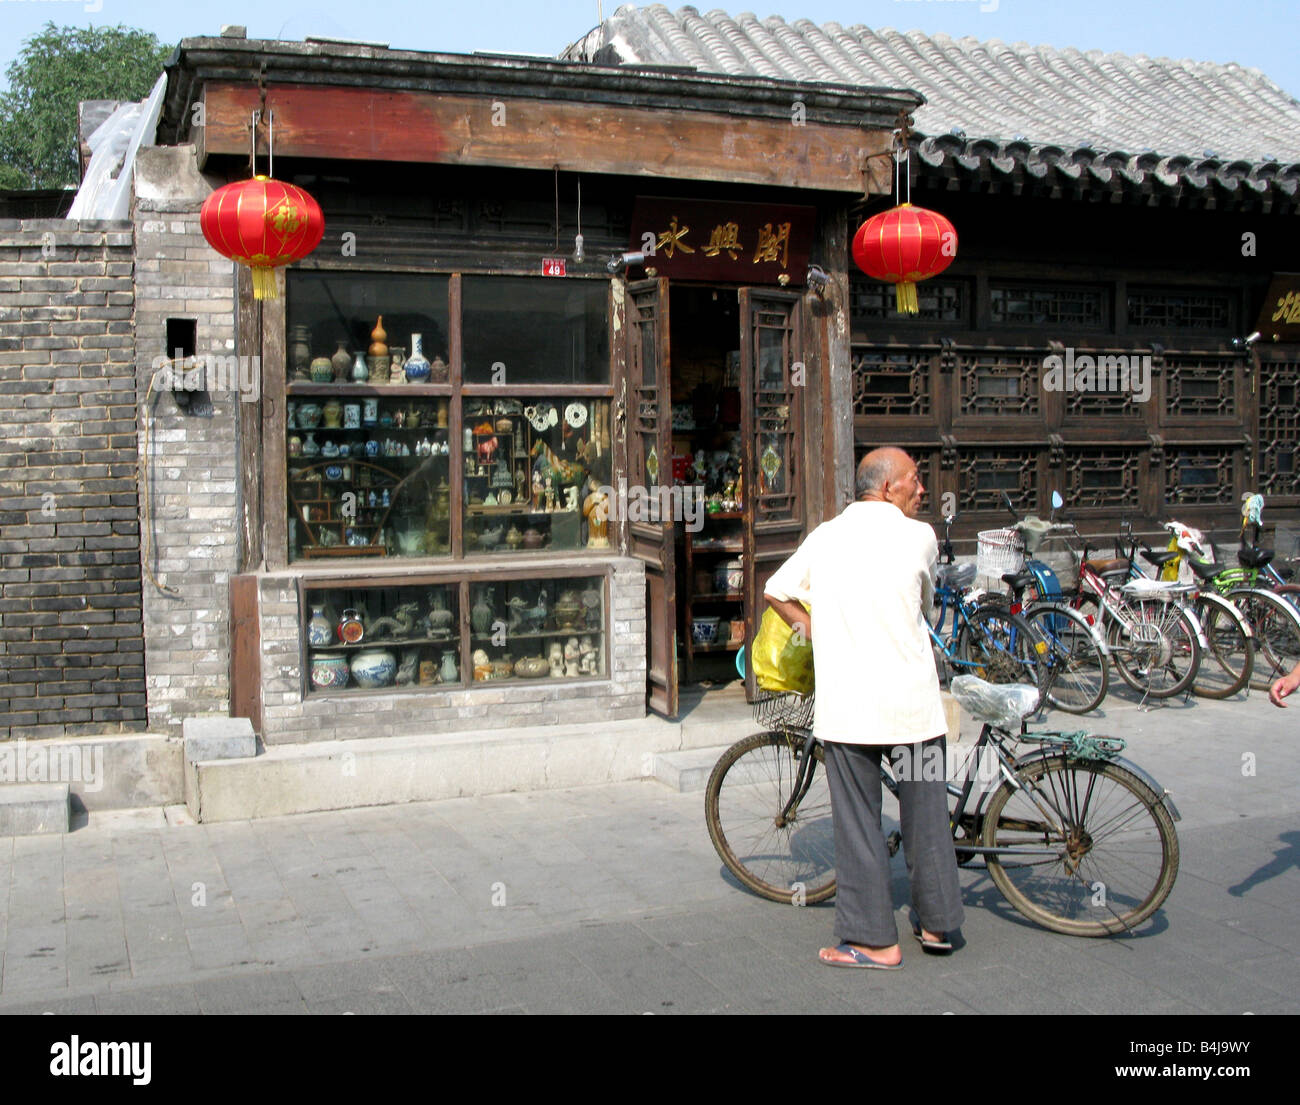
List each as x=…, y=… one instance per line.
x=611, y=899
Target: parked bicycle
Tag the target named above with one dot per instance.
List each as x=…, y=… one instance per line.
x=986, y=641
x=1269, y=610
x=1076, y=838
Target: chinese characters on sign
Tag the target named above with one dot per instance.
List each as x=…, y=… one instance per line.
x=747, y=243
x=1279, y=318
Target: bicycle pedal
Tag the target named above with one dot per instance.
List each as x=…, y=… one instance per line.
x=893, y=842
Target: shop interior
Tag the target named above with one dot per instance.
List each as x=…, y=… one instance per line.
x=707, y=458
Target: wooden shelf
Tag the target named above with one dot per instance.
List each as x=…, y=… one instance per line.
x=717, y=647
x=300, y=387
x=718, y=546
x=718, y=596
x=385, y=642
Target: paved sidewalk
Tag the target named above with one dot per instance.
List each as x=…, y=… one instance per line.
x=611, y=899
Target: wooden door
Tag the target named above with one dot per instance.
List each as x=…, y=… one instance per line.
x=772, y=388
x=649, y=468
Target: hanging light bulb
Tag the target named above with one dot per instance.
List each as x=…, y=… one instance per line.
x=578, y=254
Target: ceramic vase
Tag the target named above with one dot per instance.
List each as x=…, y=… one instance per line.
x=309, y=415
x=373, y=667
x=418, y=369
x=332, y=413
x=322, y=370
x=299, y=350
x=329, y=669
x=439, y=373
x=352, y=416
x=319, y=631
x=480, y=615
x=360, y=371
x=377, y=338
x=378, y=363
x=341, y=361
x=449, y=672
x=309, y=447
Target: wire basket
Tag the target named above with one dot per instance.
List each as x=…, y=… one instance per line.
x=781, y=710
x=999, y=551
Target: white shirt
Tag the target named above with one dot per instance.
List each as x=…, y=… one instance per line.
x=866, y=578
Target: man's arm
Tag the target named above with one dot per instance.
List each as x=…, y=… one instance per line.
x=794, y=615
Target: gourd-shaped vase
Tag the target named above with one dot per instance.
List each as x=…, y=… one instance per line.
x=417, y=366
x=377, y=338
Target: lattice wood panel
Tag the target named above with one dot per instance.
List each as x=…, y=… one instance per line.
x=999, y=383
x=1201, y=387
x=1200, y=475
x=892, y=383
x=1102, y=477
x=1278, y=470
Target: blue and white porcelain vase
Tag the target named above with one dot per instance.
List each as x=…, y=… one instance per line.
x=319, y=630
x=417, y=365
x=373, y=667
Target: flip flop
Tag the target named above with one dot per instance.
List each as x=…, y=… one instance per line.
x=861, y=961
x=933, y=947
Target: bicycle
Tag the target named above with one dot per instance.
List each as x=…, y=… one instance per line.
x=986, y=641
x=1075, y=677
x=1155, y=642
x=1274, y=620
x=1075, y=837
x=1229, y=636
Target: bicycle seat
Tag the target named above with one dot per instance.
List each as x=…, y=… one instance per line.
x=1254, y=558
x=1003, y=705
x=1116, y=564
x=1164, y=556
x=1018, y=580
x=1204, y=569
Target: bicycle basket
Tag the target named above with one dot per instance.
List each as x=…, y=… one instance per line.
x=783, y=711
x=999, y=551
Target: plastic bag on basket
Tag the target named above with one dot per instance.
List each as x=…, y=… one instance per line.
x=781, y=662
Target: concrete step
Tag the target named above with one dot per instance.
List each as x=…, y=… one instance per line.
x=688, y=771
x=28, y=808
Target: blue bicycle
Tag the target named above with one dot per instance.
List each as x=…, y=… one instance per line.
x=985, y=640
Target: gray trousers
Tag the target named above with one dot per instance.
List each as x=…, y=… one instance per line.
x=864, y=905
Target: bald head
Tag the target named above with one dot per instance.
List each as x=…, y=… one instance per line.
x=879, y=466
x=889, y=475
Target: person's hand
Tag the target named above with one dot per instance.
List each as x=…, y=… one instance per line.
x=1283, y=687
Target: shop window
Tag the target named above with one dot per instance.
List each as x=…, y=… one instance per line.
x=377, y=637
x=534, y=470
x=523, y=330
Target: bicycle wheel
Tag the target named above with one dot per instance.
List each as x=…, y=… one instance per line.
x=1076, y=678
x=782, y=856
x=1277, y=633
x=1100, y=850
x=1158, y=654
x=1229, y=659
x=1000, y=647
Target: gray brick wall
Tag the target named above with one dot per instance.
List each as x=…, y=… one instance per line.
x=190, y=533
x=71, y=644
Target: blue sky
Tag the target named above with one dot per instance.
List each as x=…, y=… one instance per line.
x=1261, y=33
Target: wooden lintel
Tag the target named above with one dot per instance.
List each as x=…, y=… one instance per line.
x=409, y=126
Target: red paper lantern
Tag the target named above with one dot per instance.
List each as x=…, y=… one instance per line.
x=262, y=223
x=903, y=245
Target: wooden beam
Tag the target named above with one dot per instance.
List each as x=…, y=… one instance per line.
x=408, y=126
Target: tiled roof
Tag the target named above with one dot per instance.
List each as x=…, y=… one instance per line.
x=1037, y=115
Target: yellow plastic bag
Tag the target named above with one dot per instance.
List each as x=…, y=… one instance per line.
x=781, y=662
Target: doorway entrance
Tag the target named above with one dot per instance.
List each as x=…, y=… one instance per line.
x=716, y=389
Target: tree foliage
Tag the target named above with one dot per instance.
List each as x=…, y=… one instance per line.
x=57, y=68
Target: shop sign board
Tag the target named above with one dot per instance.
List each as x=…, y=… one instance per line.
x=733, y=243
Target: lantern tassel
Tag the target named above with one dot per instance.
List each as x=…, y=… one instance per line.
x=905, y=298
x=264, y=283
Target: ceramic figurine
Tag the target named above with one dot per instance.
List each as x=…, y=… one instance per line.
x=428, y=673
x=418, y=368
x=595, y=508
x=396, y=373
x=572, y=657
x=406, y=669
x=587, y=664
x=555, y=657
